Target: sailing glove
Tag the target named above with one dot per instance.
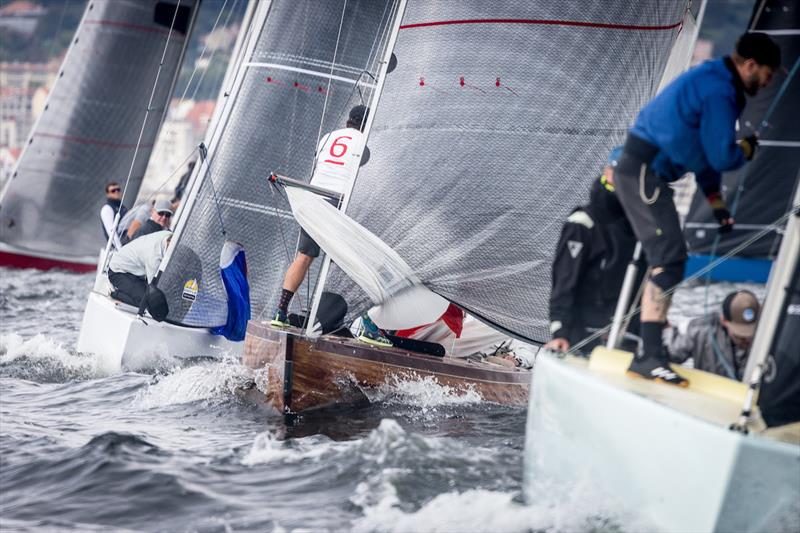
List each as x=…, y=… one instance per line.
x=748, y=145
x=723, y=217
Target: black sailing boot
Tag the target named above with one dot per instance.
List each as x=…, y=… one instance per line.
x=651, y=362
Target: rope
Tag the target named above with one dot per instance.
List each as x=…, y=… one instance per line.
x=213, y=53
x=203, y=154
x=700, y=273
x=199, y=61
x=330, y=79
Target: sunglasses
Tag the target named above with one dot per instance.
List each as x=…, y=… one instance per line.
x=115, y=189
x=166, y=214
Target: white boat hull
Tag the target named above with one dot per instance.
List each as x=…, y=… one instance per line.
x=656, y=450
x=122, y=339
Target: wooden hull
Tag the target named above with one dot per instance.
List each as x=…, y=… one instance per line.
x=304, y=374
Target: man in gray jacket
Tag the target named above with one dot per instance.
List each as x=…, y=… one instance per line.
x=719, y=343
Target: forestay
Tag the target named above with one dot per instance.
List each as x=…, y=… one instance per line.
x=88, y=131
x=489, y=131
x=307, y=64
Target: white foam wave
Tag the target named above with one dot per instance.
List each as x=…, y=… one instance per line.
x=267, y=448
x=375, y=448
x=45, y=358
x=426, y=393
x=480, y=510
x=212, y=381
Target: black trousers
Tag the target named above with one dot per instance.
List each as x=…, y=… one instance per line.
x=647, y=201
x=128, y=288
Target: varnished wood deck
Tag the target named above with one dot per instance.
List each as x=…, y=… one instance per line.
x=305, y=374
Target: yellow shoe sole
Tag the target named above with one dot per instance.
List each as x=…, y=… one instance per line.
x=373, y=342
x=278, y=324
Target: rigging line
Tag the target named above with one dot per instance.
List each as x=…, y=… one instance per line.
x=141, y=132
x=328, y=90
x=175, y=171
x=372, y=49
x=700, y=273
x=213, y=190
x=196, y=63
x=213, y=53
x=274, y=189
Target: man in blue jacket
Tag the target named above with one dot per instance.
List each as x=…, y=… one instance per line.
x=689, y=126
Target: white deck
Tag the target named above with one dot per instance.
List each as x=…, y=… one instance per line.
x=666, y=453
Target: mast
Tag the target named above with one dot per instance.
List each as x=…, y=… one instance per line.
x=387, y=54
x=260, y=17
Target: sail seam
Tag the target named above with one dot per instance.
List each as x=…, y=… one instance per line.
x=545, y=22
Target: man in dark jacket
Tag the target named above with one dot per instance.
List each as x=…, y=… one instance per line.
x=690, y=125
x=593, y=252
x=160, y=218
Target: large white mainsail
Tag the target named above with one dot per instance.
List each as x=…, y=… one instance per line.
x=490, y=130
x=308, y=64
x=90, y=129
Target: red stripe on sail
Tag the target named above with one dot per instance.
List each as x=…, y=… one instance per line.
x=545, y=22
x=131, y=26
x=95, y=142
x=12, y=260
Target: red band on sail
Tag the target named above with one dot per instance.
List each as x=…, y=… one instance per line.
x=130, y=26
x=84, y=140
x=544, y=22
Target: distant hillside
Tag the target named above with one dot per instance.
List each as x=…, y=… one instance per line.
x=51, y=37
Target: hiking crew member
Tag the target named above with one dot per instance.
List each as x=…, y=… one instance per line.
x=109, y=211
x=592, y=255
x=338, y=157
x=133, y=267
x=690, y=125
x=718, y=343
x=133, y=220
x=160, y=217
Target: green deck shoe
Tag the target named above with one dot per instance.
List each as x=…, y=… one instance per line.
x=280, y=320
x=372, y=334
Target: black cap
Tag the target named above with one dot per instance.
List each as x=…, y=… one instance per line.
x=358, y=116
x=759, y=47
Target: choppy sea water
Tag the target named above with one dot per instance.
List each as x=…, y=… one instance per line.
x=174, y=449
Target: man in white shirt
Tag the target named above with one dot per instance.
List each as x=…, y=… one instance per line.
x=133, y=267
x=109, y=211
x=338, y=157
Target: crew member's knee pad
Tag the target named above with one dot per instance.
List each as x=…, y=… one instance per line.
x=670, y=275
